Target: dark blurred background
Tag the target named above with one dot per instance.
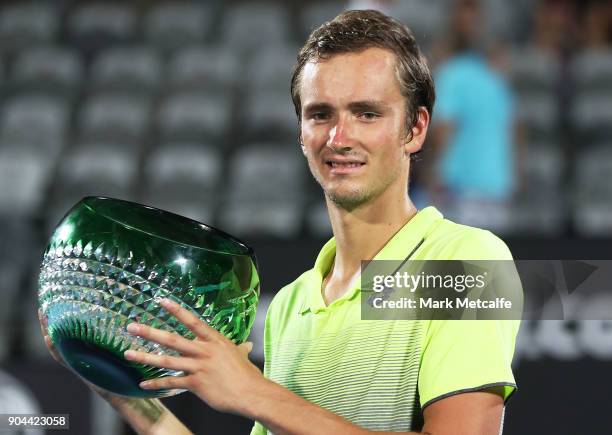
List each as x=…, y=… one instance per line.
x=186, y=106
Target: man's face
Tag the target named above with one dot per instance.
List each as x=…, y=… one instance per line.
x=353, y=125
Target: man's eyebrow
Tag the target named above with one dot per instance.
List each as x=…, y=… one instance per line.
x=355, y=106
x=366, y=105
x=317, y=107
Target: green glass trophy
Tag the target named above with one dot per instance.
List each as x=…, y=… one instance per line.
x=110, y=261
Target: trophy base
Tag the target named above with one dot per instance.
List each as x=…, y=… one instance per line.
x=104, y=369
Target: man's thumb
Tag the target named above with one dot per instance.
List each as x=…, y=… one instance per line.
x=246, y=347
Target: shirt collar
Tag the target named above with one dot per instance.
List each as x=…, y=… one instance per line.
x=397, y=248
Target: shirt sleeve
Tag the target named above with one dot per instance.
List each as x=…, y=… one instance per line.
x=469, y=355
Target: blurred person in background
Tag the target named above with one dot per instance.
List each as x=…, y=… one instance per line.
x=470, y=165
x=363, y=95
x=555, y=27
x=597, y=24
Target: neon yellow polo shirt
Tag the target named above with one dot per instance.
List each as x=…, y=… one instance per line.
x=381, y=374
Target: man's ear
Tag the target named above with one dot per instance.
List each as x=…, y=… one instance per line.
x=416, y=137
x=301, y=142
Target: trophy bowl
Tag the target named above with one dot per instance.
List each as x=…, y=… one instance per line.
x=109, y=262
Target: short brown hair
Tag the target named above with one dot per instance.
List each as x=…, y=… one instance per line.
x=354, y=31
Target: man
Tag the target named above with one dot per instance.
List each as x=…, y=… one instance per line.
x=363, y=95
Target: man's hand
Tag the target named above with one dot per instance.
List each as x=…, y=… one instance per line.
x=42, y=319
x=216, y=370
x=146, y=416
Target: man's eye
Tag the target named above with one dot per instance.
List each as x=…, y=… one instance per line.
x=369, y=115
x=320, y=116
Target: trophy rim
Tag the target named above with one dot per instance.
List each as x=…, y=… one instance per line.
x=246, y=250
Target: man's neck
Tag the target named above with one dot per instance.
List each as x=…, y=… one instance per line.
x=361, y=233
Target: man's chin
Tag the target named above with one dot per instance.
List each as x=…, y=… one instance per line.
x=347, y=200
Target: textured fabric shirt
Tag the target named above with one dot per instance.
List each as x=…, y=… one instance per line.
x=380, y=374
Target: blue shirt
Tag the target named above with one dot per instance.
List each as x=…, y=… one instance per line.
x=478, y=160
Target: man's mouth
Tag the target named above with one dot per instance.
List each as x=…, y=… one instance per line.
x=345, y=165
x=338, y=167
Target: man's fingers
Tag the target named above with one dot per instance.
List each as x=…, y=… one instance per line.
x=168, y=339
x=43, y=330
x=167, y=382
x=246, y=348
x=196, y=325
x=42, y=323
x=162, y=361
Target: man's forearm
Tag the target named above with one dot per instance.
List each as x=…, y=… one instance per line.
x=285, y=413
x=145, y=416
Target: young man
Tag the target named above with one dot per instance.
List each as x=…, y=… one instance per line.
x=364, y=97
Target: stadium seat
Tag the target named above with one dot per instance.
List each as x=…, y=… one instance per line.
x=270, y=68
x=538, y=215
x=424, y=18
x=193, y=117
x=17, y=250
x=10, y=285
x=128, y=69
x=48, y=69
x=251, y=25
x=94, y=168
x=36, y=121
x=171, y=25
x=198, y=210
x=533, y=71
x=24, y=177
x=183, y=163
x=592, y=218
x=539, y=113
x=592, y=190
x=502, y=20
x=94, y=25
x=265, y=192
x=270, y=116
x=108, y=164
x=313, y=14
x=24, y=24
x=17, y=396
x=593, y=169
x=538, y=208
x=18, y=241
x=592, y=70
x=203, y=68
x=543, y=166
x=591, y=117
x=114, y=117
x=183, y=178
x=262, y=218
x=267, y=171
x=317, y=220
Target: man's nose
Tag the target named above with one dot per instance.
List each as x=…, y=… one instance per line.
x=340, y=136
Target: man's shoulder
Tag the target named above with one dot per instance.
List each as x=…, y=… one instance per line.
x=454, y=241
